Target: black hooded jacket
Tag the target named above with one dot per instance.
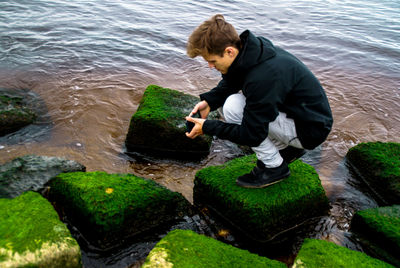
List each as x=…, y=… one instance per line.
x=272, y=80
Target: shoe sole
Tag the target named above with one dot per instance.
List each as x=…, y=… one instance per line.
x=265, y=185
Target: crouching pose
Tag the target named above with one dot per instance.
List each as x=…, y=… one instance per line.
x=271, y=101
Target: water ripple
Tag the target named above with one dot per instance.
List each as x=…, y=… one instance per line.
x=88, y=63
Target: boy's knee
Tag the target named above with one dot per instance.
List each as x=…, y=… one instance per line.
x=233, y=108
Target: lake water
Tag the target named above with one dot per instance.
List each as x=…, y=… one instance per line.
x=90, y=61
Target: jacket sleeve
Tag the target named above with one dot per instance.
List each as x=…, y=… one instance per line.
x=262, y=100
x=217, y=96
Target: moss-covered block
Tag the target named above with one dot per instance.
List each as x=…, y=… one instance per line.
x=32, y=235
x=319, y=253
x=261, y=213
x=158, y=126
x=185, y=248
x=14, y=114
x=380, y=231
x=378, y=165
x=107, y=208
x=31, y=172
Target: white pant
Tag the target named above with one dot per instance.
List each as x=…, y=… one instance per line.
x=282, y=131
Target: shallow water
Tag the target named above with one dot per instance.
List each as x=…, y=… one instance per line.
x=89, y=63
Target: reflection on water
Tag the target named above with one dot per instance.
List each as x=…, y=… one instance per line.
x=89, y=63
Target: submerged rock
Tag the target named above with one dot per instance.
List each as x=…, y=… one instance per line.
x=261, y=214
x=31, y=235
x=319, y=253
x=378, y=165
x=14, y=114
x=31, y=172
x=378, y=231
x=184, y=248
x=108, y=208
x=158, y=126
x=30, y=105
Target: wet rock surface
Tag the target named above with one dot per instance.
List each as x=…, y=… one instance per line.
x=377, y=164
x=31, y=172
x=261, y=214
x=110, y=208
x=32, y=235
x=184, y=248
x=320, y=253
x=14, y=114
x=132, y=251
x=23, y=117
x=378, y=229
x=158, y=127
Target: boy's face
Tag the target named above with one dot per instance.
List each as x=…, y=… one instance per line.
x=221, y=63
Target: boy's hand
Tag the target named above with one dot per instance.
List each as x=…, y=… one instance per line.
x=201, y=107
x=197, y=129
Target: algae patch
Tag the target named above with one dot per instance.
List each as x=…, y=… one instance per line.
x=185, y=248
x=107, y=208
x=31, y=234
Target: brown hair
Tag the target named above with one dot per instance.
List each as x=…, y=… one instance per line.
x=212, y=37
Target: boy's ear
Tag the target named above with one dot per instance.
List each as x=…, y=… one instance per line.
x=230, y=51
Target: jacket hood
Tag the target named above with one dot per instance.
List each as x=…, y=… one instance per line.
x=254, y=50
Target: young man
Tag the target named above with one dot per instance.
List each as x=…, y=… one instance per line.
x=271, y=100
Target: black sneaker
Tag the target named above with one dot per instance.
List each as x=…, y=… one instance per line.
x=262, y=176
x=290, y=153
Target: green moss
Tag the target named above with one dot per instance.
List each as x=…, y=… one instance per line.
x=184, y=248
x=261, y=212
x=381, y=226
x=158, y=126
x=13, y=114
x=31, y=233
x=320, y=253
x=111, y=206
x=379, y=165
x=383, y=220
x=5, y=101
x=159, y=104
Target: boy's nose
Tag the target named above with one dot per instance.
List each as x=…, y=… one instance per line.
x=211, y=65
